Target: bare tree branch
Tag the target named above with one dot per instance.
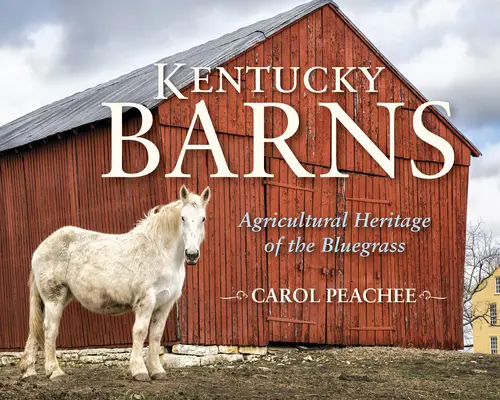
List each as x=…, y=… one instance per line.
x=482, y=258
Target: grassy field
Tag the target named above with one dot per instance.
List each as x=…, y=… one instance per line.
x=286, y=373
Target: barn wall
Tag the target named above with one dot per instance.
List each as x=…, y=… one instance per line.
x=60, y=183
x=433, y=260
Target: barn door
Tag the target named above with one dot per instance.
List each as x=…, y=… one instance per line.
x=289, y=196
x=367, y=324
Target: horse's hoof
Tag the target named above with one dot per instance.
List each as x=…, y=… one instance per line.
x=22, y=365
x=142, y=377
x=29, y=376
x=57, y=375
x=160, y=376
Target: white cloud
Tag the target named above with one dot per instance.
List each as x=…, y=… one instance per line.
x=453, y=71
x=390, y=29
x=437, y=68
x=484, y=195
x=484, y=189
x=435, y=13
x=28, y=73
x=488, y=165
x=23, y=75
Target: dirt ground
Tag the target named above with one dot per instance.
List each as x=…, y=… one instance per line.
x=286, y=373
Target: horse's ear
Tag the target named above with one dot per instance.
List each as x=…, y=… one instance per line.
x=184, y=193
x=205, y=196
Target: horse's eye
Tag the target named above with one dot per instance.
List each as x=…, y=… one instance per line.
x=203, y=219
x=184, y=219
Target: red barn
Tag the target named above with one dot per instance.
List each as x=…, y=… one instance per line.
x=52, y=159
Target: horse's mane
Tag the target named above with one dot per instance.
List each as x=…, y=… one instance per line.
x=164, y=220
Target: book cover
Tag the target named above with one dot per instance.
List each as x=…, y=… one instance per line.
x=249, y=200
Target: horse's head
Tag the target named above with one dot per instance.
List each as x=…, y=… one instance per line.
x=193, y=222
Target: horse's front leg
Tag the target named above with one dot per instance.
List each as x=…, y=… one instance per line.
x=156, y=329
x=143, y=312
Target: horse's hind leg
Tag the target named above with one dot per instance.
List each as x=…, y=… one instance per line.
x=53, y=313
x=27, y=364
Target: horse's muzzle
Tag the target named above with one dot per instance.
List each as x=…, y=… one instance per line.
x=192, y=257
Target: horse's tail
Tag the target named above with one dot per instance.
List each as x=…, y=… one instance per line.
x=36, y=312
x=36, y=335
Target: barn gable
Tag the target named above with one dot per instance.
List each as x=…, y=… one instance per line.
x=324, y=37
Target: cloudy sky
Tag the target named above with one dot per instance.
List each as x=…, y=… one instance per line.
x=450, y=49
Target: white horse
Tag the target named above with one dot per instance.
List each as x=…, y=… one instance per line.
x=140, y=271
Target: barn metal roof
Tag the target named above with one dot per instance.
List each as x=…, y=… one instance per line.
x=140, y=86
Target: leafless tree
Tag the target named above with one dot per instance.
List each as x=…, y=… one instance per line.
x=482, y=258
